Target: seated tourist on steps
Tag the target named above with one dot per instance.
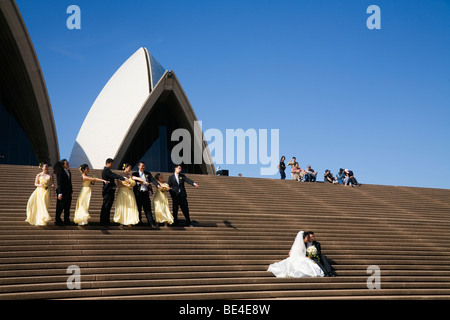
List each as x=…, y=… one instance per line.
x=310, y=174
x=328, y=177
x=340, y=176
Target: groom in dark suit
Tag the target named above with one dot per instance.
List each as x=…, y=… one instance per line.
x=142, y=191
x=64, y=192
x=109, y=190
x=179, y=195
x=321, y=260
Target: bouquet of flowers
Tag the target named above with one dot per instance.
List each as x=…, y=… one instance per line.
x=311, y=252
x=165, y=187
x=45, y=183
x=129, y=182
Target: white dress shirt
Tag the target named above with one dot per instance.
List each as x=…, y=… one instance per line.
x=143, y=185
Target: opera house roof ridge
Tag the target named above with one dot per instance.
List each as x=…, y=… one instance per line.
x=122, y=108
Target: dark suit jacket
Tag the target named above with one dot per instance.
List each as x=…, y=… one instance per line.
x=148, y=178
x=111, y=177
x=64, y=182
x=178, y=189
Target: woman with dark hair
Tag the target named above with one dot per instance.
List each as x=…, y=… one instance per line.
x=126, y=211
x=282, y=168
x=84, y=198
x=162, y=211
x=39, y=201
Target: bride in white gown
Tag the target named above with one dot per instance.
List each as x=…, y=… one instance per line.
x=297, y=265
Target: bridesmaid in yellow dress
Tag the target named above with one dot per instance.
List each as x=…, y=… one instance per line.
x=162, y=212
x=126, y=210
x=39, y=201
x=84, y=198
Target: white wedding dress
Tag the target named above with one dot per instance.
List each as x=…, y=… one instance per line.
x=297, y=265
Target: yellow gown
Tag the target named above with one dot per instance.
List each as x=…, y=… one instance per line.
x=162, y=212
x=126, y=212
x=38, y=204
x=82, y=209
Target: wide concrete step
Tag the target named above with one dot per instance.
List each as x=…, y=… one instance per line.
x=172, y=285
x=239, y=291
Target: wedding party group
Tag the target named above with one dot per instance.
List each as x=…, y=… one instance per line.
x=132, y=197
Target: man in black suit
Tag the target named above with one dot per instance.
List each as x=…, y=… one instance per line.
x=142, y=191
x=64, y=192
x=109, y=190
x=179, y=195
x=320, y=259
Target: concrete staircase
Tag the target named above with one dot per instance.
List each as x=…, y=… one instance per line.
x=241, y=226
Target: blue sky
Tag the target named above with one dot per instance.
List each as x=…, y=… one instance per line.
x=374, y=101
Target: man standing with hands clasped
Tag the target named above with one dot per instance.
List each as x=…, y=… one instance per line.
x=179, y=195
x=64, y=192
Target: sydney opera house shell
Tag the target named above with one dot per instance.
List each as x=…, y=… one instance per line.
x=134, y=117
x=27, y=128
x=131, y=120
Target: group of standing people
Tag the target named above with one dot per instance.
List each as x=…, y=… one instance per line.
x=133, y=196
x=344, y=177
